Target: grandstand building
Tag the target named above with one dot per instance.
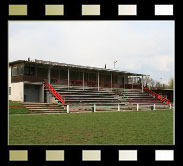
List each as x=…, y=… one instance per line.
x=26, y=79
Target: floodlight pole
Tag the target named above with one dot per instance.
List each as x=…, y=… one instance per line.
x=115, y=63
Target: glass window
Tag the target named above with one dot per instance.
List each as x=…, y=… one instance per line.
x=29, y=70
x=14, y=71
x=20, y=70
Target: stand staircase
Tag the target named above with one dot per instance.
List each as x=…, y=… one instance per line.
x=44, y=108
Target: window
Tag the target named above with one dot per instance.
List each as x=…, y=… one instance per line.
x=14, y=71
x=9, y=91
x=29, y=71
x=20, y=70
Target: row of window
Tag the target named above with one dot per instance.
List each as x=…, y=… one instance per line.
x=18, y=70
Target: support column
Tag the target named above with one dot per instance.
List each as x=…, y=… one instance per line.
x=83, y=80
x=36, y=71
x=68, y=109
x=94, y=107
x=132, y=82
x=59, y=74
x=49, y=72
x=98, y=81
x=68, y=78
x=142, y=85
x=118, y=107
x=111, y=80
x=48, y=94
x=124, y=82
x=154, y=108
x=170, y=106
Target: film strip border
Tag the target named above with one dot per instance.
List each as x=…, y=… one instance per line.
x=96, y=9
x=89, y=9
x=124, y=155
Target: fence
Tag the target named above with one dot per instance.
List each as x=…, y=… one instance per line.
x=115, y=107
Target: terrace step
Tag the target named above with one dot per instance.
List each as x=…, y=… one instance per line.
x=44, y=108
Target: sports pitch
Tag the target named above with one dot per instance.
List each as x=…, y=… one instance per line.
x=143, y=127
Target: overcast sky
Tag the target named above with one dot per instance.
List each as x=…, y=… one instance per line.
x=145, y=47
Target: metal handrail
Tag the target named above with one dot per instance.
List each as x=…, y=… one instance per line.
x=161, y=98
x=54, y=92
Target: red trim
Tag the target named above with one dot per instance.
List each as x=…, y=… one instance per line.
x=54, y=92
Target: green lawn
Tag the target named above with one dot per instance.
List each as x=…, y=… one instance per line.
x=143, y=127
x=17, y=109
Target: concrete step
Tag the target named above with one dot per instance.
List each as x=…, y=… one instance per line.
x=85, y=93
x=46, y=112
x=47, y=109
x=31, y=103
x=44, y=107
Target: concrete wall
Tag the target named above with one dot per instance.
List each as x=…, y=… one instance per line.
x=17, y=91
x=53, y=100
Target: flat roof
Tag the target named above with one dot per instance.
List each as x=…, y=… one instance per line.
x=65, y=65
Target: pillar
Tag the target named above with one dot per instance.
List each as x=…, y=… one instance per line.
x=48, y=94
x=59, y=74
x=68, y=109
x=68, y=78
x=49, y=71
x=111, y=80
x=118, y=107
x=94, y=107
x=36, y=71
x=83, y=80
x=132, y=82
x=124, y=82
x=142, y=85
x=98, y=81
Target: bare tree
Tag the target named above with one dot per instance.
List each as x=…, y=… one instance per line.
x=170, y=83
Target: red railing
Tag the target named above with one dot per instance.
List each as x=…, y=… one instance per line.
x=161, y=98
x=54, y=92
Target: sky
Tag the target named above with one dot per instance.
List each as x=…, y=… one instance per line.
x=145, y=47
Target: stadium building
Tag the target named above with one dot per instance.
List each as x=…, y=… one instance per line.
x=26, y=78
x=47, y=82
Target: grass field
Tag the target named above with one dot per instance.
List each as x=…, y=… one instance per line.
x=16, y=109
x=143, y=127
